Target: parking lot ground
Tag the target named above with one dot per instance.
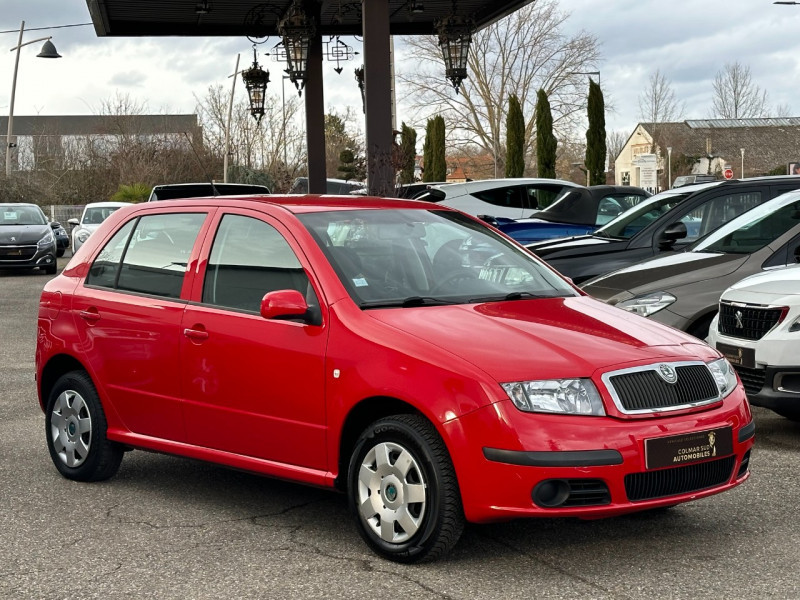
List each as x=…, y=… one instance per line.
x=167, y=527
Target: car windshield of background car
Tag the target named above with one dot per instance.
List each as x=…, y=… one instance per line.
x=22, y=215
x=402, y=257
x=96, y=215
x=640, y=216
x=754, y=229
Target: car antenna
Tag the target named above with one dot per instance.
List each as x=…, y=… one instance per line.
x=202, y=166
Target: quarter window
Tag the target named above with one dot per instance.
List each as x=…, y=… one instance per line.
x=250, y=258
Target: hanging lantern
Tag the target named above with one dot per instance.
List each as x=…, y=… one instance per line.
x=255, y=80
x=455, y=35
x=297, y=29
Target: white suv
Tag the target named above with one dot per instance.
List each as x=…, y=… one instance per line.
x=513, y=198
x=758, y=330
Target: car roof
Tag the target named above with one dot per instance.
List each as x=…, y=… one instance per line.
x=483, y=184
x=304, y=203
x=106, y=204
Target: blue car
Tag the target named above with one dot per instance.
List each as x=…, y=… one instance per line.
x=578, y=211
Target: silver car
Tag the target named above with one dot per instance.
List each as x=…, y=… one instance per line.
x=94, y=213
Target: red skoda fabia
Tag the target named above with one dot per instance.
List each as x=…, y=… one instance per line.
x=403, y=353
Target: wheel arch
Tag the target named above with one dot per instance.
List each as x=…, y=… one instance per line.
x=362, y=414
x=57, y=366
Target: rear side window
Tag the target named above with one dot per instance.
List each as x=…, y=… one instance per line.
x=149, y=255
x=507, y=197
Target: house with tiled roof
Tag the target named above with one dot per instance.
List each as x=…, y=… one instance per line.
x=656, y=153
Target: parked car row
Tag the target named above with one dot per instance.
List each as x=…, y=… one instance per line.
x=364, y=346
x=735, y=285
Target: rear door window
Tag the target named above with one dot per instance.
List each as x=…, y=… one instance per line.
x=718, y=210
x=149, y=255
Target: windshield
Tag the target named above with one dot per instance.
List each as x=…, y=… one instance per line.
x=754, y=229
x=411, y=257
x=94, y=215
x=22, y=215
x=634, y=220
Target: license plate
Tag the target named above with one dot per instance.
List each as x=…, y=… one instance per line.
x=687, y=448
x=739, y=357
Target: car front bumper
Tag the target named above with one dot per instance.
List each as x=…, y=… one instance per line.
x=26, y=256
x=512, y=464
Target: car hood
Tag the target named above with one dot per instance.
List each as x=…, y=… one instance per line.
x=22, y=234
x=769, y=287
x=568, y=243
x=542, y=339
x=664, y=273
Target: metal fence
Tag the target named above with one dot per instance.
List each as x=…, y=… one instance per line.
x=62, y=213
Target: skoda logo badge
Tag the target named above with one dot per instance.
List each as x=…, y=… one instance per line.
x=738, y=316
x=667, y=373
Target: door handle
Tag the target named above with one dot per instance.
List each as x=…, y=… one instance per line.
x=91, y=315
x=195, y=334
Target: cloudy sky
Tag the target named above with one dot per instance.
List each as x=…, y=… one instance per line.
x=688, y=41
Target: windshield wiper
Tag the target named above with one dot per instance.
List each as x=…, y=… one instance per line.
x=406, y=302
x=509, y=296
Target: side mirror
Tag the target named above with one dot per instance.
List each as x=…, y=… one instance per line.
x=55, y=224
x=674, y=232
x=74, y=222
x=284, y=304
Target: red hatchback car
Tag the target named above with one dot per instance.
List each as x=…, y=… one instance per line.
x=399, y=351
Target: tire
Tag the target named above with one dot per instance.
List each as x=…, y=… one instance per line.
x=75, y=426
x=60, y=252
x=381, y=491
x=51, y=270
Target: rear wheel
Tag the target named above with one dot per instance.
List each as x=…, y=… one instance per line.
x=403, y=490
x=76, y=426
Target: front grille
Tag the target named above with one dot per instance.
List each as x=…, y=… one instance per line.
x=12, y=253
x=749, y=322
x=644, y=389
x=753, y=379
x=587, y=492
x=678, y=480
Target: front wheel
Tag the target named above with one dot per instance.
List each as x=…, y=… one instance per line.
x=403, y=490
x=76, y=426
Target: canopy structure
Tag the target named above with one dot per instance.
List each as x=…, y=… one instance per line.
x=374, y=20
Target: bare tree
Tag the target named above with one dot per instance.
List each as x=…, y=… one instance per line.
x=519, y=54
x=736, y=96
x=658, y=104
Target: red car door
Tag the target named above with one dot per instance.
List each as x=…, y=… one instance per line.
x=253, y=386
x=128, y=318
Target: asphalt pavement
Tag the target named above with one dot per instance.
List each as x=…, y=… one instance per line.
x=167, y=527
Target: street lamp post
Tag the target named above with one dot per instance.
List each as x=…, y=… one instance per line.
x=742, y=151
x=228, y=127
x=48, y=51
x=669, y=167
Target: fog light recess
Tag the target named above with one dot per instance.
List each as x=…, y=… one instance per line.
x=551, y=493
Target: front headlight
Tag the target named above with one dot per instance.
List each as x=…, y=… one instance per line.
x=566, y=396
x=647, y=304
x=47, y=240
x=724, y=375
x=83, y=235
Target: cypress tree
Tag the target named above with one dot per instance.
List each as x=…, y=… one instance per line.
x=408, y=151
x=545, y=140
x=427, y=156
x=515, y=139
x=438, y=150
x=596, y=136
